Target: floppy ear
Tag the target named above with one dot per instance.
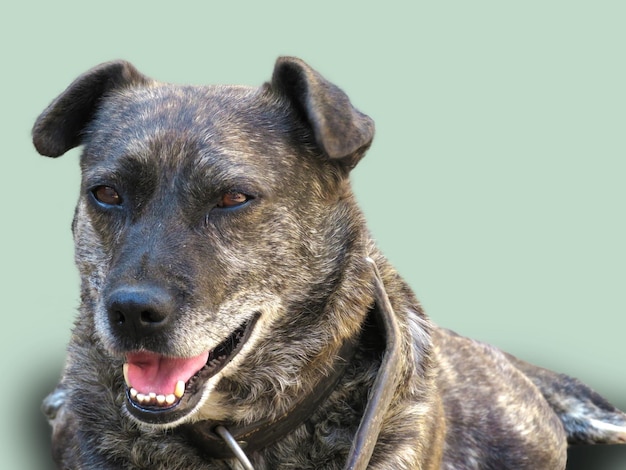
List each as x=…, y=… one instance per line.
x=59, y=127
x=340, y=130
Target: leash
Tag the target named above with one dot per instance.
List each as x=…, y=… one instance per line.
x=384, y=386
x=218, y=441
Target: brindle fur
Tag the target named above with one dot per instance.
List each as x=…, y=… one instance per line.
x=296, y=254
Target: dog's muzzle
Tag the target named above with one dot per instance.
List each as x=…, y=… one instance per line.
x=161, y=389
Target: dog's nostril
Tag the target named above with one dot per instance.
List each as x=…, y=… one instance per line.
x=119, y=318
x=148, y=316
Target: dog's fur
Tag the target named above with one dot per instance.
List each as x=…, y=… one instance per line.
x=291, y=251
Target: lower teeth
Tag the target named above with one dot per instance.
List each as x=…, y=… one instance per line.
x=153, y=399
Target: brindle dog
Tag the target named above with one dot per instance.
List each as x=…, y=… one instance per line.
x=230, y=287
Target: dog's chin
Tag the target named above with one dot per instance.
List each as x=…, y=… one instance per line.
x=179, y=398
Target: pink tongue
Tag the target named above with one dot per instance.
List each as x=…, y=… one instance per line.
x=151, y=372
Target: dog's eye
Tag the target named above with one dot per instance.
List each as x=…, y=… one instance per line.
x=233, y=199
x=107, y=195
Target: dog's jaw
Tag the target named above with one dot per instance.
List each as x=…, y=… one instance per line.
x=168, y=391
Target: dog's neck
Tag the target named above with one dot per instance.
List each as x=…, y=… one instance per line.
x=260, y=434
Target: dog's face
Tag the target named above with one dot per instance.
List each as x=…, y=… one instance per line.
x=210, y=218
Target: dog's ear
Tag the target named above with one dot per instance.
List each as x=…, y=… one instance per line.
x=60, y=126
x=340, y=130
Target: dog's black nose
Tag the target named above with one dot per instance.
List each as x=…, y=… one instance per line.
x=139, y=311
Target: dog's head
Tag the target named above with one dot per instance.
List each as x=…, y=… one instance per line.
x=211, y=221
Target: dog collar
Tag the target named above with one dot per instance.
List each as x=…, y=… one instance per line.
x=227, y=440
x=220, y=440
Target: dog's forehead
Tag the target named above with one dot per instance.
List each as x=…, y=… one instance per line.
x=187, y=111
x=232, y=126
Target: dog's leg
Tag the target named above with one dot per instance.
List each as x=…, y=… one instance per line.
x=586, y=416
x=52, y=404
x=55, y=408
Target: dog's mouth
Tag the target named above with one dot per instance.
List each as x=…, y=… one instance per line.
x=162, y=389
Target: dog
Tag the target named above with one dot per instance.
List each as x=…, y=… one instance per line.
x=236, y=313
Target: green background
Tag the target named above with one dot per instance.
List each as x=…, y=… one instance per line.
x=495, y=182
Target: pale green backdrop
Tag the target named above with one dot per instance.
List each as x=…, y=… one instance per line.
x=495, y=183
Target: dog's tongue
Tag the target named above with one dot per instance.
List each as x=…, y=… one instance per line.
x=151, y=372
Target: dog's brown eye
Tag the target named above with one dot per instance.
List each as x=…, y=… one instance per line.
x=233, y=199
x=107, y=195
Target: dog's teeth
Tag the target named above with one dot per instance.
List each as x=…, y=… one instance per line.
x=179, y=391
x=152, y=398
x=125, y=370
